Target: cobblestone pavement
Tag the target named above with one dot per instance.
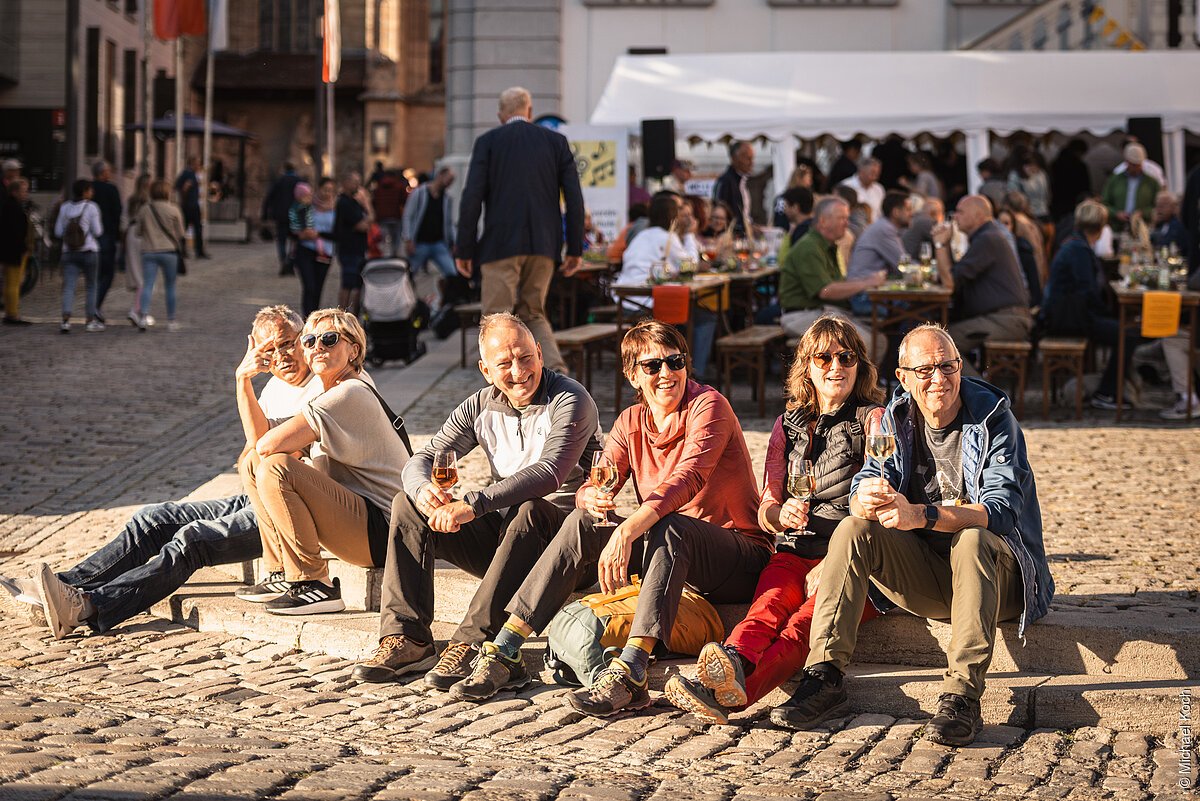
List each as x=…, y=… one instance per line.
x=101, y=423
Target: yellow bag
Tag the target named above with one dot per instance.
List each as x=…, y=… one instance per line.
x=696, y=623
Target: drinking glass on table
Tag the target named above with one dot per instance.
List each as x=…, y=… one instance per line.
x=801, y=482
x=445, y=470
x=604, y=478
x=926, y=254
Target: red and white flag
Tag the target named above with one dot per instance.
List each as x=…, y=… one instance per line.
x=175, y=18
x=332, y=38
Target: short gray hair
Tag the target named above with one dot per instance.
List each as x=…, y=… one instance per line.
x=498, y=320
x=98, y=168
x=514, y=100
x=280, y=315
x=925, y=329
x=826, y=205
x=868, y=161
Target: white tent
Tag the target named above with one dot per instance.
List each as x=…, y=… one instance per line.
x=781, y=95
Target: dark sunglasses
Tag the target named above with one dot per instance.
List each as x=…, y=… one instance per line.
x=846, y=358
x=676, y=361
x=925, y=371
x=328, y=339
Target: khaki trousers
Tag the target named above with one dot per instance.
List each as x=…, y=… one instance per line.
x=519, y=285
x=975, y=588
x=299, y=510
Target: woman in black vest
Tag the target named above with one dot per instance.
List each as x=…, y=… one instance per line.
x=832, y=389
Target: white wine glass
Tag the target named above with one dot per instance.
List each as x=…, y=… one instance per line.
x=881, y=438
x=604, y=478
x=801, y=482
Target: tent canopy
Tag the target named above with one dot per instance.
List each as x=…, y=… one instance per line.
x=193, y=125
x=778, y=95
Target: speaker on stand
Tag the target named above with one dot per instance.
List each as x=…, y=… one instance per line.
x=658, y=148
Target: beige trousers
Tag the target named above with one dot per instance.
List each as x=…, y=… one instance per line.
x=978, y=586
x=299, y=510
x=519, y=285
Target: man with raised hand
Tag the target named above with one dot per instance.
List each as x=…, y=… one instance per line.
x=538, y=430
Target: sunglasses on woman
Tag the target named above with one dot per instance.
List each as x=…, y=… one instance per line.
x=676, y=362
x=846, y=358
x=328, y=339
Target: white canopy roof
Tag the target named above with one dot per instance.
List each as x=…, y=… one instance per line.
x=776, y=95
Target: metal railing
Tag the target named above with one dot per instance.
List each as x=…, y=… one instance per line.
x=1096, y=25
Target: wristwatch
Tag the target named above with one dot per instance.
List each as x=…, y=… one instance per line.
x=931, y=515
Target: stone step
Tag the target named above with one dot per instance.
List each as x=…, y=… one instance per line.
x=1027, y=699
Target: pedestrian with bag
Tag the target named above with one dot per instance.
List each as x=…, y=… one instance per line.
x=696, y=522
x=14, y=247
x=134, y=273
x=78, y=226
x=161, y=227
x=311, y=221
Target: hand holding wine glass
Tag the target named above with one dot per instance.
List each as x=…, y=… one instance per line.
x=801, y=484
x=445, y=470
x=604, y=480
x=881, y=437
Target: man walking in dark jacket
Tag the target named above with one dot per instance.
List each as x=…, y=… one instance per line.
x=351, y=221
x=187, y=185
x=275, y=208
x=106, y=195
x=518, y=170
x=732, y=187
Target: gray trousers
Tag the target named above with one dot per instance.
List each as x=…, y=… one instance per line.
x=720, y=563
x=1012, y=324
x=977, y=585
x=500, y=549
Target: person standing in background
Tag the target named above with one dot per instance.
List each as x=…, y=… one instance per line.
x=14, y=247
x=351, y=220
x=134, y=272
x=161, y=228
x=78, y=226
x=108, y=198
x=188, y=187
x=275, y=208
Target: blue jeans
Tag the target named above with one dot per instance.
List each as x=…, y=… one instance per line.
x=352, y=264
x=168, y=262
x=75, y=262
x=159, y=549
x=312, y=279
x=438, y=253
x=107, y=266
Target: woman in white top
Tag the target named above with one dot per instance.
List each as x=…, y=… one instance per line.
x=78, y=226
x=340, y=495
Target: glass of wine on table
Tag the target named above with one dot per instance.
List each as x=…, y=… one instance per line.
x=445, y=469
x=604, y=478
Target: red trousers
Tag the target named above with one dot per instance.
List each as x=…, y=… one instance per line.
x=774, y=634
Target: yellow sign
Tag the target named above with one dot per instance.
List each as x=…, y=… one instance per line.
x=597, y=163
x=1160, y=314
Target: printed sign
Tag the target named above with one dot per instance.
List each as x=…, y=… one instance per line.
x=601, y=157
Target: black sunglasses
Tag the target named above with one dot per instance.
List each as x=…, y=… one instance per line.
x=328, y=339
x=846, y=358
x=925, y=371
x=676, y=361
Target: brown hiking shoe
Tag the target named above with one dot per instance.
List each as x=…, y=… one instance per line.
x=453, y=666
x=396, y=656
x=491, y=672
x=614, y=691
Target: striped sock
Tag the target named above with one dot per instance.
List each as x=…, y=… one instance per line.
x=637, y=660
x=509, y=642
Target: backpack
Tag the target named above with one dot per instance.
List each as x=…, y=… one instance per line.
x=589, y=633
x=74, y=237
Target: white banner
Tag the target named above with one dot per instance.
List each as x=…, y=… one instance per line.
x=602, y=159
x=218, y=29
x=332, y=39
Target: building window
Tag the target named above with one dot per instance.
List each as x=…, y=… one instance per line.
x=381, y=137
x=91, y=93
x=437, y=41
x=288, y=26
x=131, y=7
x=110, y=101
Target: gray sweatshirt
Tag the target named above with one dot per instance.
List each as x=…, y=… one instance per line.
x=542, y=451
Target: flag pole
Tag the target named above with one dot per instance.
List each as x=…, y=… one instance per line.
x=330, y=139
x=206, y=163
x=147, y=111
x=178, y=104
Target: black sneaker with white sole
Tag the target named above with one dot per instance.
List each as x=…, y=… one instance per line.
x=268, y=589
x=308, y=598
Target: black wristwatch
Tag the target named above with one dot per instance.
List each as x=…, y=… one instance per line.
x=931, y=515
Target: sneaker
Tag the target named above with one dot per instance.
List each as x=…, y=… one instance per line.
x=100, y=318
x=66, y=607
x=614, y=691
x=134, y=319
x=1109, y=403
x=308, y=598
x=453, y=666
x=692, y=696
x=957, y=721
x=720, y=669
x=94, y=326
x=491, y=672
x=396, y=656
x=173, y=326
x=1180, y=410
x=65, y=327
x=21, y=598
x=268, y=589
x=821, y=696
x=149, y=320
x=142, y=324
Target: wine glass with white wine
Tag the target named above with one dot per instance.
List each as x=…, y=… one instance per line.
x=881, y=438
x=604, y=478
x=801, y=482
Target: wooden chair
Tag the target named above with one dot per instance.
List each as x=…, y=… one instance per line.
x=749, y=348
x=468, y=317
x=1003, y=357
x=579, y=344
x=1062, y=355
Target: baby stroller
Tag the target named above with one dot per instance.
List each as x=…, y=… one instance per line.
x=392, y=314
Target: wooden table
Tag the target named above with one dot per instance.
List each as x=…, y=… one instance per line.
x=744, y=284
x=928, y=304
x=568, y=287
x=1129, y=304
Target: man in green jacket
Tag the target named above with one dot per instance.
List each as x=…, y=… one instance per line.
x=1132, y=191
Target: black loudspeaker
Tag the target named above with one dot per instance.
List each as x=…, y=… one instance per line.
x=1148, y=131
x=658, y=148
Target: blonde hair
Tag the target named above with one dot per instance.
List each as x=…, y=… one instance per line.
x=1091, y=216
x=345, y=324
x=827, y=330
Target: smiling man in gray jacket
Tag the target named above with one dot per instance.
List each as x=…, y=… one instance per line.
x=538, y=430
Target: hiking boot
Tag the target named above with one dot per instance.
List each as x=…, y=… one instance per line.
x=821, y=696
x=308, y=598
x=720, y=669
x=614, y=691
x=66, y=607
x=957, y=721
x=453, y=666
x=692, y=696
x=396, y=656
x=491, y=672
x=268, y=589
